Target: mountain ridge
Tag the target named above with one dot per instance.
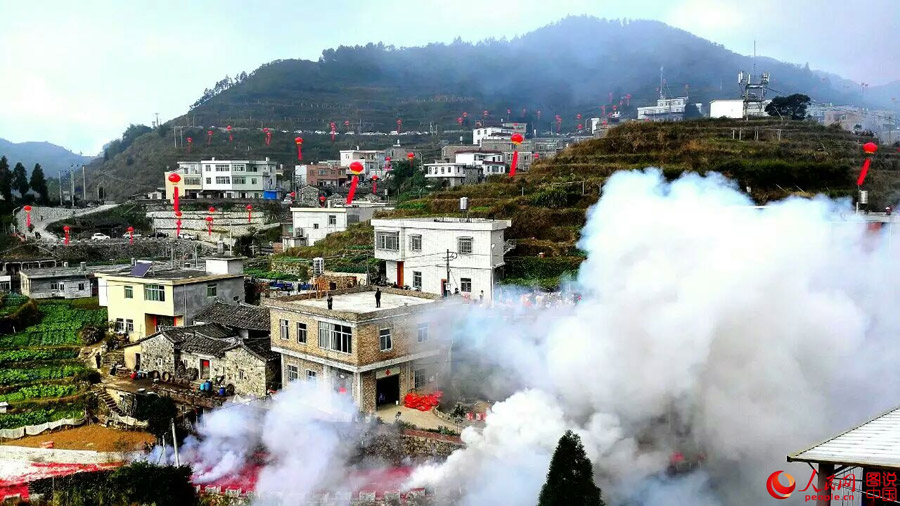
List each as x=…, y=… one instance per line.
x=52, y=157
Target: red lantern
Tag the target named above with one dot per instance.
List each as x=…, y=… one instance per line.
x=603, y=110
x=190, y=143
x=459, y=120
x=558, y=122
x=536, y=156
x=268, y=135
x=130, y=235
x=580, y=127
x=249, y=213
x=356, y=169
x=212, y=209
x=628, y=98
x=66, y=230
x=322, y=200
x=209, y=220
x=578, y=116
x=230, y=136
x=177, y=223
x=174, y=178
x=332, y=131
x=209, y=134
x=508, y=113
x=299, y=142
x=524, y=111
x=27, y=210
x=465, y=115
x=293, y=194
x=347, y=124
x=410, y=156
x=375, y=184
x=485, y=113
x=399, y=125
x=516, y=139
x=387, y=163
x=538, y=114
x=870, y=148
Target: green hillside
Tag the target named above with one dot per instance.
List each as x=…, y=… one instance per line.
x=547, y=205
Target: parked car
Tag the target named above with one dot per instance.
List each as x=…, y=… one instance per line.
x=99, y=237
x=127, y=236
x=156, y=235
x=188, y=237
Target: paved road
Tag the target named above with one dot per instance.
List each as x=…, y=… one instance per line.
x=40, y=226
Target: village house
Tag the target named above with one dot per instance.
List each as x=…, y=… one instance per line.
x=229, y=179
x=415, y=253
x=62, y=282
x=321, y=174
x=375, y=354
x=209, y=351
x=451, y=173
x=249, y=321
x=310, y=225
x=151, y=295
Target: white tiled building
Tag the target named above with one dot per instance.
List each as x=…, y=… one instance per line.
x=489, y=162
x=372, y=160
x=415, y=253
x=224, y=178
x=312, y=224
x=454, y=173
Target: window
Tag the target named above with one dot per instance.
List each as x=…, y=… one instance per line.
x=415, y=242
x=387, y=240
x=253, y=168
x=464, y=245
x=420, y=378
x=209, y=180
x=240, y=374
x=54, y=285
x=239, y=168
x=422, y=333
x=193, y=181
x=62, y=286
x=284, y=328
x=252, y=180
x=323, y=172
x=335, y=337
x=384, y=339
x=80, y=287
x=154, y=293
x=222, y=179
x=310, y=375
x=221, y=168
x=316, y=226
x=239, y=180
x=211, y=289
x=292, y=373
x=120, y=325
x=332, y=219
x=465, y=284
x=129, y=325
x=301, y=333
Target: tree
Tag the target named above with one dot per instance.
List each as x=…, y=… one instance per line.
x=158, y=412
x=5, y=182
x=20, y=179
x=570, y=479
x=39, y=184
x=793, y=106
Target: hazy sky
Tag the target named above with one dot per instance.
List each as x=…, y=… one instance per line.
x=77, y=73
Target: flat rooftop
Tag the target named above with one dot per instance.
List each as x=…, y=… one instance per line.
x=364, y=302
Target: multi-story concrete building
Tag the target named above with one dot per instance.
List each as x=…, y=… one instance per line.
x=244, y=179
x=372, y=160
x=375, y=354
x=325, y=174
x=489, y=162
x=451, y=173
x=312, y=224
x=150, y=296
x=415, y=252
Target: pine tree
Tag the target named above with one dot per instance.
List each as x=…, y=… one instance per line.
x=20, y=179
x=38, y=183
x=570, y=479
x=5, y=182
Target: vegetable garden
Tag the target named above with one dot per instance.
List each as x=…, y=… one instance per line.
x=40, y=375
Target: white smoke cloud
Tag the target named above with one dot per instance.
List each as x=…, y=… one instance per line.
x=707, y=326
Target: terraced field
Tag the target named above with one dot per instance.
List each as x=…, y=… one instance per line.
x=41, y=376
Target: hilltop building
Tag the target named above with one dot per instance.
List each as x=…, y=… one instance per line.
x=310, y=225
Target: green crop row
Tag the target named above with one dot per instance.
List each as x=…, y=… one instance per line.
x=40, y=415
x=59, y=326
x=46, y=372
x=33, y=354
x=40, y=392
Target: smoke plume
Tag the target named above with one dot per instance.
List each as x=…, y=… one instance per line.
x=707, y=327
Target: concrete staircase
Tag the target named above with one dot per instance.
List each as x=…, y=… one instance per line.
x=108, y=401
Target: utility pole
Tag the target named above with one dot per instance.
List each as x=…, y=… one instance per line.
x=72, y=187
x=447, y=285
x=175, y=444
x=83, y=184
x=60, y=189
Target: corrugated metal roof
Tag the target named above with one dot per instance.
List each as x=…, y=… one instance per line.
x=875, y=443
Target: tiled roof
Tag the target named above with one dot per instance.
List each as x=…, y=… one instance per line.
x=200, y=344
x=259, y=347
x=240, y=316
x=210, y=330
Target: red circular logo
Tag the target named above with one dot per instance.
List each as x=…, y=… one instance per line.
x=776, y=489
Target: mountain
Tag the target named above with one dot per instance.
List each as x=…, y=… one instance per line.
x=571, y=67
x=52, y=158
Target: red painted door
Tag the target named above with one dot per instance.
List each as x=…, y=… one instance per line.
x=400, y=274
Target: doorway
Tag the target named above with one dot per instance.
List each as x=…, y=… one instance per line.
x=387, y=390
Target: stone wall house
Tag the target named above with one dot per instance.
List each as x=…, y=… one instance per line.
x=211, y=352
